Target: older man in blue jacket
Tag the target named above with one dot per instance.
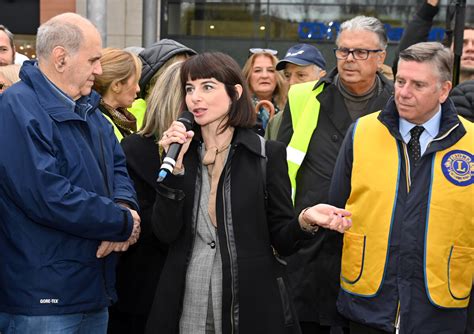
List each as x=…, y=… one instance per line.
x=66, y=200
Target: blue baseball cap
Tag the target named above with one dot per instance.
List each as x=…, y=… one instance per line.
x=303, y=55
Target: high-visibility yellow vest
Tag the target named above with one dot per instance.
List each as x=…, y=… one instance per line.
x=449, y=239
x=117, y=132
x=138, y=110
x=304, y=108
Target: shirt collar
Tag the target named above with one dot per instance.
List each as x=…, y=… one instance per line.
x=431, y=126
x=59, y=93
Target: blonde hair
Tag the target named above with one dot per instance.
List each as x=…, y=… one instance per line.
x=280, y=93
x=117, y=66
x=180, y=57
x=11, y=72
x=164, y=102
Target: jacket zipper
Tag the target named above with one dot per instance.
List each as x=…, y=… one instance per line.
x=198, y=190
x=232, y=307
x=103, y=169
x=397, y=319
x=408, y=178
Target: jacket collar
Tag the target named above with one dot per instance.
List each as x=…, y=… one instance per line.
x=54, y=101
x=243, y=137
x=249, y=139
x=449, y=123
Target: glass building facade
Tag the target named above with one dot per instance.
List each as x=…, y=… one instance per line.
x=234, y=26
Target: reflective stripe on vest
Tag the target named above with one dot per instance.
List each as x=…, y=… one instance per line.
x=304, y=108
x=449, y=241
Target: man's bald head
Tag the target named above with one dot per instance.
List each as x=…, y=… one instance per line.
x=69, y=48
x=67, y=30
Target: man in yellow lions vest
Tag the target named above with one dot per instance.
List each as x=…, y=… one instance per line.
x=407, y=175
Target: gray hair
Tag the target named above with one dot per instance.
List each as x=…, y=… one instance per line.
x=366, y=23
x=433, y=52
x=55, y=33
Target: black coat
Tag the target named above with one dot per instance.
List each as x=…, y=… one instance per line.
x=463, y=98
x=139, y=268
x=255, y=298
x=313, y=271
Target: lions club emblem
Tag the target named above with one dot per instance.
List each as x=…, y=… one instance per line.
x=458, y=167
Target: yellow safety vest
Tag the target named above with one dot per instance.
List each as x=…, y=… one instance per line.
x=304, y=108
x=116, y=129
x=449, y=243
x=138, y=110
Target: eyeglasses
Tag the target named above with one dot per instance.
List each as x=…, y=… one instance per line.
x=358, y=54
x=259, y=50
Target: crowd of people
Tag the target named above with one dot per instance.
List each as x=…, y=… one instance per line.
x=302, y=199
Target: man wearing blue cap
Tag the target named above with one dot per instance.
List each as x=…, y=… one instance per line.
x=314, y=123
x=302, y=63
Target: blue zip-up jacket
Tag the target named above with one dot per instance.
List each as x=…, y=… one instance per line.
x=403, y=285
x=61, y=173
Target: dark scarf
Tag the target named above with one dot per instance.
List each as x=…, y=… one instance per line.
x=121, y=117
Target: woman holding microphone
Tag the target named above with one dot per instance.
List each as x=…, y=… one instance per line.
x=226, y=211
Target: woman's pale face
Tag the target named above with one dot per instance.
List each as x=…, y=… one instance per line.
x=127, y=92
x=207, y=99
x=263, y=79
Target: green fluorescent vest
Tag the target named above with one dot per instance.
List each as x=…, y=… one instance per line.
x=116, y=129
x=449, y=240
x=138, y=109
x=304, y=108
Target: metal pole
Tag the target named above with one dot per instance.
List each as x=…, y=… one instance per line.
x=97, y=14
x=150, y=19
x=460, y=17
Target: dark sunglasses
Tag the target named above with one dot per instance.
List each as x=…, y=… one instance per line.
x=260, y=50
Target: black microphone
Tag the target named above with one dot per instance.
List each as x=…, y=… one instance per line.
x=187, y=118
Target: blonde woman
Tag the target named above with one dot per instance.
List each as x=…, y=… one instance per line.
x=265, y=83
x=118, y=85
x=140, y=267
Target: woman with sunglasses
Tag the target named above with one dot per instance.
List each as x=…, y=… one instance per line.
x=265, y=83
x=221, y=214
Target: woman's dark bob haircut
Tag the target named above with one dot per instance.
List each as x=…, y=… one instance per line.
x=224, y=69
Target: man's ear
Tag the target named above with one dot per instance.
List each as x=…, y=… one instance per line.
x=381, y=58
x=322, y=73
x=239, y=90
x=59, y=57
x=445, y=90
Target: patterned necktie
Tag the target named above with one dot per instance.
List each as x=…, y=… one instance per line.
x=414, y=149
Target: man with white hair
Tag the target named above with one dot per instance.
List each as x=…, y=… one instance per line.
x=313, y=127
x=66, y=200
